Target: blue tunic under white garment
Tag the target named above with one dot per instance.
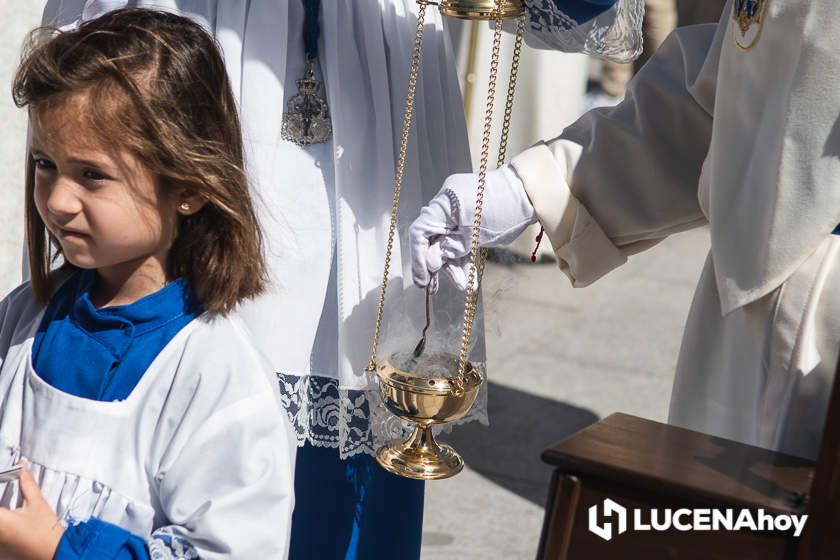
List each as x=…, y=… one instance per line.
x=131, y=463
x=113, y=347
x=116, y=344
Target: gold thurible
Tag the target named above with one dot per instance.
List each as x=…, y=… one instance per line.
x=422, y=398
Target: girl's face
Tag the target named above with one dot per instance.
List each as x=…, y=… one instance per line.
x=105, y=208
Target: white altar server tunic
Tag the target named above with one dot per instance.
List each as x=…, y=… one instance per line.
x=198, y=455
x=735, y=128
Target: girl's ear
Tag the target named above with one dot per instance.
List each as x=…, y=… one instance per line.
x=188, y=202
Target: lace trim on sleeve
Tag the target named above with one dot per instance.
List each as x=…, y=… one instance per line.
x=615, y=34
x=166, y=544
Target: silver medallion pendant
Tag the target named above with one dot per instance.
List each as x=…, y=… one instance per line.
x=307, y=117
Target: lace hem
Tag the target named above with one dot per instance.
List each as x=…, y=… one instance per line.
x=353, y=421
x=615, y=34
x=166, y=544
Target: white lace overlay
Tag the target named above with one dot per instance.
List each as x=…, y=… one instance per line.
x=166, y=544
x=353, y=421
x=615, y=34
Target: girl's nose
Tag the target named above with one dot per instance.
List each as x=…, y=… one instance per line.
x=63, y=199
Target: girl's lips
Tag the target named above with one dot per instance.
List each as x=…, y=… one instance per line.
x=70, y=234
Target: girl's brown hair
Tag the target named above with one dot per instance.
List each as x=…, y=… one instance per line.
x=155, y=84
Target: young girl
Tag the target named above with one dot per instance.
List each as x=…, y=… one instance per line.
x=144, y=417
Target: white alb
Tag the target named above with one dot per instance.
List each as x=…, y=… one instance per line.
x=198, y=458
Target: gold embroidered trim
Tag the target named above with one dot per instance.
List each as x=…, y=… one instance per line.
x=745, y=22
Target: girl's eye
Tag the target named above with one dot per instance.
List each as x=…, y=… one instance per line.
x=94, y=175
x=41, y=163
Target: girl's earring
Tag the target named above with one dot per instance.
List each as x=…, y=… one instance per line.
x=184, y=207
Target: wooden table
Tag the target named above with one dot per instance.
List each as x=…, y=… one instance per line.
x=643, y=464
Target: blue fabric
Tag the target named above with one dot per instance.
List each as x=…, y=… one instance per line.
x=353, y=509
x=836, y=230
x=311, y=28
x=747, y=7
x=98, y=540
x=113, y=346
x=583, y=10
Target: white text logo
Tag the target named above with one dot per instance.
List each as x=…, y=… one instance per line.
x=684, y=519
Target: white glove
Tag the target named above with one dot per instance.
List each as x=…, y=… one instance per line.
x=441, y=236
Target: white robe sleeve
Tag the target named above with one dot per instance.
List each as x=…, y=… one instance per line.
x=223, y=471
x=619, y=180
x=227, y=492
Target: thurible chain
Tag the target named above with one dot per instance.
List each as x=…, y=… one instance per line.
x=477, y=258
x=475, y=255
x=471, y=305
x=398, y=180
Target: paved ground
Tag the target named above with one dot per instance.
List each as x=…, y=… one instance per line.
x=559, y=358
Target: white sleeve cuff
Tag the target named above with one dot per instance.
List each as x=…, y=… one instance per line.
x=583, y=250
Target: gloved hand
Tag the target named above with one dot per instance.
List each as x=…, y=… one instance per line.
x=441, y=236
